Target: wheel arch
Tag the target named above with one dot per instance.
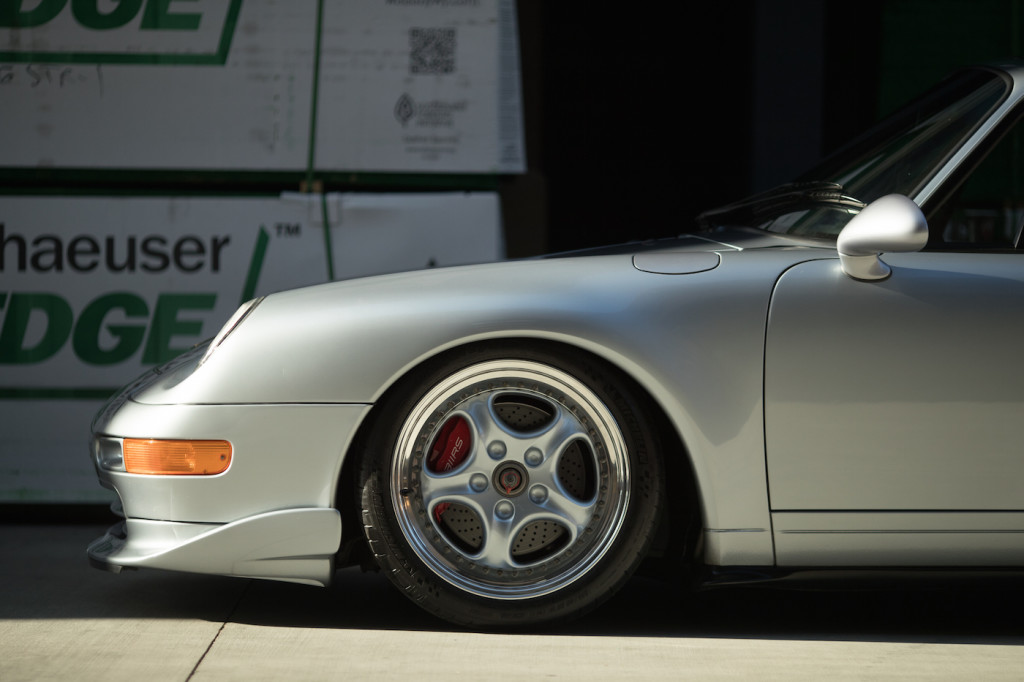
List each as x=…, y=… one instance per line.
x=681, y=518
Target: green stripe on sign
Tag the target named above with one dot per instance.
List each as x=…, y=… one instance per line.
x=259, y=252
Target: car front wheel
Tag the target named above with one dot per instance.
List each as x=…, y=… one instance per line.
x=510, y=487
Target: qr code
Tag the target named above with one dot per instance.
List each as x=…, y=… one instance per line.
x=431, y=50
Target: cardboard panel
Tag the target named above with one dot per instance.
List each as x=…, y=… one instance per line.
x=227, y=85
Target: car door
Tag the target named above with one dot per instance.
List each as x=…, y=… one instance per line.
x=894, y=408
x=893, y=412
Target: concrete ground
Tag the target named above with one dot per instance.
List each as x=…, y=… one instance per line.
x=61, y=619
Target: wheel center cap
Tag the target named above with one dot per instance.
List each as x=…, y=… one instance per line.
x=510, y=479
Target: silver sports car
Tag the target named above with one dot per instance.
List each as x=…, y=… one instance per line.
x=822, y=376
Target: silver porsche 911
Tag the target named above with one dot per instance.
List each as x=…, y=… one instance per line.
x=823, y=376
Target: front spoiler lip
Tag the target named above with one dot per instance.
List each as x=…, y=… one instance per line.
x=295, y=545
x=100, y=549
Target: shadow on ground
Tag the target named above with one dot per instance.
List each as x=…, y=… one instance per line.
x=647, y=607
x=45, y=575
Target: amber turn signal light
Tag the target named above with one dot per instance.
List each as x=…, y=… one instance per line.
x=176, y=457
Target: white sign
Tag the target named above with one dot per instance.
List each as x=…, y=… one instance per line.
x=95, y=290
x=138, y=98
x=229, y=85
x=424, y=86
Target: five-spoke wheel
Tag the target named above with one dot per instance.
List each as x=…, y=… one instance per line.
x=515, y=489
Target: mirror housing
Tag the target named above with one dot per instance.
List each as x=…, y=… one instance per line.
x=893, y=224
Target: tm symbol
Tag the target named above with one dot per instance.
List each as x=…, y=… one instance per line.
x=288, y=229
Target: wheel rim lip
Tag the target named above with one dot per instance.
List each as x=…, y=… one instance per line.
x=440, y=403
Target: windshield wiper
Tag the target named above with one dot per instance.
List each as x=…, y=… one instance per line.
x=779, y=200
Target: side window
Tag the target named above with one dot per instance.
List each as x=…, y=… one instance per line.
x=987, y=211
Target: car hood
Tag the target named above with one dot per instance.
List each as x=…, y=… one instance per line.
x=346, y=342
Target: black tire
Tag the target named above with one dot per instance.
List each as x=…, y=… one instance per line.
x=508, y=487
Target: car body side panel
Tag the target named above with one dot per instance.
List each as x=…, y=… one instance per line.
x=893, y=397
x=694, y=342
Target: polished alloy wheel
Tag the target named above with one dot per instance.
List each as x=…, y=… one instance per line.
x=510, y=479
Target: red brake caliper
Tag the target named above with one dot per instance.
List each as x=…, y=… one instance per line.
x=450, y=449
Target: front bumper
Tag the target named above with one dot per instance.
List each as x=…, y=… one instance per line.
x=270, y=514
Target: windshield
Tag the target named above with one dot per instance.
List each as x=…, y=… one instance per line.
x=897, y=156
